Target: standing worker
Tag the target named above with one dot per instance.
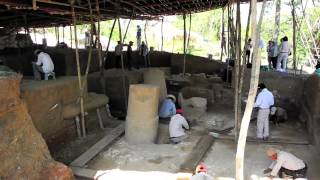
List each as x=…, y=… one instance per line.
x=138, y=36
x=118, y=53
x=248, y=50
x=43, y=64
x=129, y=55
x=285, y=164
x=176, y=125
x=143, y=52
x=264, y=101
x=284, y=51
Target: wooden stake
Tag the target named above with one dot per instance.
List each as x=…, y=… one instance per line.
x=78, y=69
x=253, y=89
x=184, y=44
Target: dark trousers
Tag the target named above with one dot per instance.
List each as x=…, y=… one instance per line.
x=301, y=173
x=274, y=62
x=248, y=56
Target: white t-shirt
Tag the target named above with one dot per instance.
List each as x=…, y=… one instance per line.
x=285, y=47
x=201, y=176
x=265, y=99
x=45, y=60
x=286, y=160
x=177, y=122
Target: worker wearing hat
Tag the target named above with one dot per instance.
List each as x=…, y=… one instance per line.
x=176, y=127
x=168, y=107
x=285, y=164
x=264, y=101
x=43, y=64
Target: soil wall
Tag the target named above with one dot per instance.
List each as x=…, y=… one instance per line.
x=45, y=101
x=195, y=64
x=23, y=152
x=289, y=89
x=310, y=108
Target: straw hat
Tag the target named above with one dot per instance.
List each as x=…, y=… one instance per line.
x=172, y=97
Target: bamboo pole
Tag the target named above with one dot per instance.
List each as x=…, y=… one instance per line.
x=253, y=89
x=63, y=33
x=78, y=69
x=90, y=48
x=162, y=34
x=70, y=35
x=102, y=81
x=228, y=44
x=125, y=34
x=145, y=32
x=294, y=36
x=188, y=47
x=184, y=44
x=222, y=38
x=109, y=40
x=122, y=69
x=35, y=36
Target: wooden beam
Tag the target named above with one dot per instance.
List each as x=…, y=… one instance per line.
x=99, y=146
x=197, y=153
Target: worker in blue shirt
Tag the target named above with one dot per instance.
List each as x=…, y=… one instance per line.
x=168, y=108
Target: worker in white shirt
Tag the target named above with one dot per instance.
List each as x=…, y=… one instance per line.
x=176, y=125
x=43, y=64
x=201, y=173
x=285, y=164
x=118, y=52
x=264, y=101
x=284, y=51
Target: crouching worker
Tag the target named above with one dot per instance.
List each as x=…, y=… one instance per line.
x=201, y=173
x=168, y=108
x=278, y=115
x=43, y=65
x=285, y=164
x=176, y=125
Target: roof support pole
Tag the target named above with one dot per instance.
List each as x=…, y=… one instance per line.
x=102, y=81
x=162, y=34
x=35, y=35
x=255, y=72
x=222, y=37
x=71, y=40
x=184, y=43
x=90, y=48
x=109, y=40
x=189, y=34
x=125, y=34
x=294, y=36
x=145, y=32
x=122, y=69
x=78, y=69
x=237, y=95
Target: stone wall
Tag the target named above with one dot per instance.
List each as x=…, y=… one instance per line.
x=310, y=104
x=23, y=152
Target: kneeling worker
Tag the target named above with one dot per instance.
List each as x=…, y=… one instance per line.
x=43, y=64
x=168, y=108
x=176, y=125
x=285, y=164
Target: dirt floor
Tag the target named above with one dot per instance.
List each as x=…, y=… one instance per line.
x=165, y=159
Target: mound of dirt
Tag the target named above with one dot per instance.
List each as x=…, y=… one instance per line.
x=23, y=152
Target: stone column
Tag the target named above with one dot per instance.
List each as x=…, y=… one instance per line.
x=142, y=117
x=156, y=77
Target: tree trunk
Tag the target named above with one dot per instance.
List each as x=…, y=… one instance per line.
x=253, y=89
x=188, y=47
